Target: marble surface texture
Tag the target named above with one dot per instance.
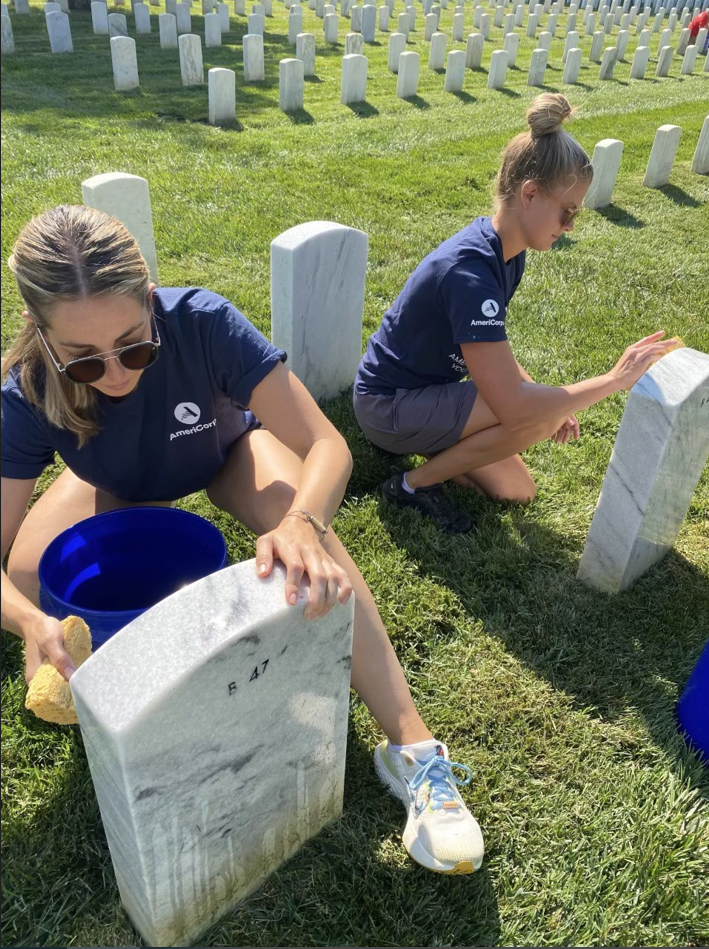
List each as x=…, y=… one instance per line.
x=125, y=63
x=126, y=197
x=659, y=453
x=99, y=18
x=8, y=42
x=117, y=24
x=353, y=87
x=167, y=24
x=318, y=273
x=191, y=64
x=397, y=45
x=408, y=80
x=606, y=162
x=59, y=32
x=305, y=52
x=664, y=149
x=215, y=727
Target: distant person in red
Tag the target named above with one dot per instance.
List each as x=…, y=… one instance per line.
x=700, y=22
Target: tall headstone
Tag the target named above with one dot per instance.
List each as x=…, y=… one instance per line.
x=167, y=25
x=664, y=149
x=403, y=24
x=498, y=69
x=191, y=65
x=141, y=12
x=218, y=749
x=125, y=63
x=290, y=86
x=256, y=24
x=99, y=17
x=221, y=84
x=544, y=40
x=606, y=162
x=318, y=274
x=455, y=71
x=184, y=18
x=353, y=87
x=59, y=33
x=430, y=26
x=212, y=30
x=22, y=7
x=511, y=47
x=126, y=197
x=384, y=19
x=331, y=24
x=683, y=42
x=571, y=42
x=664, y=60
x=596, y=46
x=408, y=78
x=437, y=51
x=690, y=58
x=658, y=456
x=700, y=162
x=254, y=68
x=223, y=14
x=610, y=58
x=295, y=24
x=8, y=42
x=354, y=44
x=305, y=52
x=397, y=45
x=474, y=51
x=117, y=24
x=537, y=67
x=621, y=43
x=369, y=22
x=640, y=61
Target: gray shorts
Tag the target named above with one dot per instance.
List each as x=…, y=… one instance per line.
x=416, y=421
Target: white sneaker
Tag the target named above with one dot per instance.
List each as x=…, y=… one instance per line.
x=440, y=832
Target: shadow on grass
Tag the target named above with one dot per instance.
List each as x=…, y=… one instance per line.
x=364, y=110
x=465, y=97
x=679, y=196
x=615, y=215
x=611, y=654
x=417, y=102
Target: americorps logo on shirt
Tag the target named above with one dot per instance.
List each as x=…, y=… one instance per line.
x=490, y=308
x=190, y=413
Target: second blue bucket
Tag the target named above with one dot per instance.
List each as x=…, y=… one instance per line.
x=112, y=567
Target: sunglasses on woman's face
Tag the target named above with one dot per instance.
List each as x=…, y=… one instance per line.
x=567, y=214
x=90, y=369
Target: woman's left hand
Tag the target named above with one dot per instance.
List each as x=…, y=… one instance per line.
x=297, y=544
x=570, y=429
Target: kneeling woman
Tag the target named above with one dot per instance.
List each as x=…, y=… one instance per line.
x=449, y=322
x=105, y=371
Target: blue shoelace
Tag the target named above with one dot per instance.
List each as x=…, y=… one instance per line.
x=439, y=773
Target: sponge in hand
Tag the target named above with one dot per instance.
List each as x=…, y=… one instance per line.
x=49, y=695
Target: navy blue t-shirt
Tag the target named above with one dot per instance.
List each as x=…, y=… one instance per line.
x=458, y=294
x=169, y=436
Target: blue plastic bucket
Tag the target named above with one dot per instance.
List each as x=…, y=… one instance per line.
x=693, y=705
x=112, y=567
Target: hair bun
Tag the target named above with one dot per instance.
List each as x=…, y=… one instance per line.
x=547, y=112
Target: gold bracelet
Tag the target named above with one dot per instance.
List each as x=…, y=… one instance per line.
x=311, y=519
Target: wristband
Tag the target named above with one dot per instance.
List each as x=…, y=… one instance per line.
x=311, y=519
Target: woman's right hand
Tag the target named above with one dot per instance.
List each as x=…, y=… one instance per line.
x=638, y=358
x=44, y=639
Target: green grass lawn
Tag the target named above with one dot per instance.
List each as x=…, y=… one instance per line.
x=560, y=698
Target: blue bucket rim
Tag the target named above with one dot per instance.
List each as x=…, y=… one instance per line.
x=94, y=517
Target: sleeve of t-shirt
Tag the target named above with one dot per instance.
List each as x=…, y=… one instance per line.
x=25, y=447
x=474, y=304
x=241, y=356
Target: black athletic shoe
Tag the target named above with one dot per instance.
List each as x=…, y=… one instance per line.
x=429, y=501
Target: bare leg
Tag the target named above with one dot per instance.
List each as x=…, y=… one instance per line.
x=485, y=444
x=257, y=486
x=66, y=501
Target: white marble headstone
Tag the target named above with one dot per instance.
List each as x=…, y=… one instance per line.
x=126, y=197
x=658, y=456
x=318, y=272
x=215, y=727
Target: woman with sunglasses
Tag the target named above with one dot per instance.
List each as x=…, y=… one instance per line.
x=151, y=394
x=448, y=325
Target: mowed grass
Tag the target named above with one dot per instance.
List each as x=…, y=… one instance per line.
x=561, y=699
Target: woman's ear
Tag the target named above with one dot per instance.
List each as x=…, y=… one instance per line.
x=27, y=316
x=528, y=191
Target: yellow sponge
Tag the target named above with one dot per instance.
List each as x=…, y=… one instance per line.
x=49, y=695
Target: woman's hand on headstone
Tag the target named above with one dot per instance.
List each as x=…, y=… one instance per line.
x=296, y=543
x=638, y=358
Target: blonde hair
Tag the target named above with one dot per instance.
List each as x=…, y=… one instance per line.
x=68, y=253
x=546, y=153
